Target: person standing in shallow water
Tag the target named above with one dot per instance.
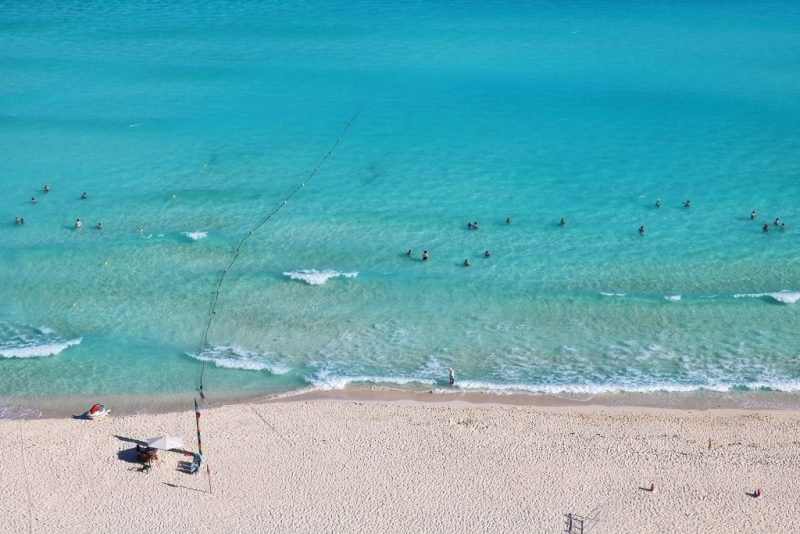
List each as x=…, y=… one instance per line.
x=451, y=375
x=753, y=215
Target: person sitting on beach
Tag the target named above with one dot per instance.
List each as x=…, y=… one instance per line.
x=508, y=220
x=563, y=221
x=46, y=188
x=85, y=195
x=753, y=215
x=487, y=253
x=658, y=203
x=765, y=228
x=777, y=221
x=424, y=255
x=467, y=263
x=642, y=230
x=33, y=200
x=78, y=223
x=687, y=203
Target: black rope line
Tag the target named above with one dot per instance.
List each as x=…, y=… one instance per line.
x=262, y=222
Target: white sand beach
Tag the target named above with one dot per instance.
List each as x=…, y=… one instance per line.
x=348, y=466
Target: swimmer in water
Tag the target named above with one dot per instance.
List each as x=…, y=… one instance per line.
x=642, y=230
x=658, y=203
x=765, y=228
x=78, y=223
x=17, y=219
x=563, y=221
x=777, y=221
x=783, y=227
x=469, y=225
x=508, y=220
x=46, y=188
x=33, y=200
x=467, y=263
x=487, y=253
x=409, y=253
x=99, y=225
x=753, y=215
x=424, y=255
x=85, y=195
x=687, y=203
x=22, y=220
x=475, y=225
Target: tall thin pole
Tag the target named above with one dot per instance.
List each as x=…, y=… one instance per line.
x=197, y=420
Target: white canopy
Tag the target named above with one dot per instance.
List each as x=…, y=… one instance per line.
x=165, y=442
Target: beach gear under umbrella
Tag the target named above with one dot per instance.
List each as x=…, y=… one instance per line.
x=165, y=442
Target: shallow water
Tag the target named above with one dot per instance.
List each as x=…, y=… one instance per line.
x=187, y=123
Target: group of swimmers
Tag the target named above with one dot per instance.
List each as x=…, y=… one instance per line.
x=472, y=225
x=78, y=223
x=777, y=222
x=765, y=228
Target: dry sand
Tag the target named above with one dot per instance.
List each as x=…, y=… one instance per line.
x=345, y=466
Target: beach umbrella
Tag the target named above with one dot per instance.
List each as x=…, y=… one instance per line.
x=165, y=442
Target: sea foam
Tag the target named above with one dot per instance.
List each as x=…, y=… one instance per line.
x=22, y=348
x=314, y=277
x=196, y=235
x=235, y=357
x=784, y=297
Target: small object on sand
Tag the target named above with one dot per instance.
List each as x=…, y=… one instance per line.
x=451, y=373
x=709, y=443
x=97, y=411
x=758, y=493
x=653, y=488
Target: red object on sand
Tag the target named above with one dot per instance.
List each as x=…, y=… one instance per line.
x=94, y=409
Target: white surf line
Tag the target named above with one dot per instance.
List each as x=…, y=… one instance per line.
x=261, y=223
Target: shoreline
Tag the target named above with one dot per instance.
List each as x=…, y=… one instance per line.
x=58, y=407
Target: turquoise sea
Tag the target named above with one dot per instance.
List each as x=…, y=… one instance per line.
x=188, y=122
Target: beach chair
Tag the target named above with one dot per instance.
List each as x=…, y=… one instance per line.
x=194, y=467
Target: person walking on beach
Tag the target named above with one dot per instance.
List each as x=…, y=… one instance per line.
x=451, y=374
